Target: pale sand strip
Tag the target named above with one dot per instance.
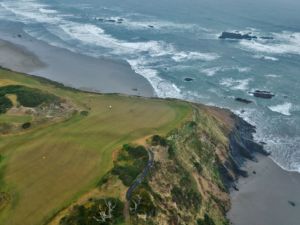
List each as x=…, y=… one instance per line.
x=266, y=197
x=96, y=74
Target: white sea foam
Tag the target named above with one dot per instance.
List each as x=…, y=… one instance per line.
x=272, y=75
x=283, y=43
x=31, y=11
x=270, y=58
x=185, y=56
x=214, y=70
x=240, y=84
x=162, y=87
x=284, y=108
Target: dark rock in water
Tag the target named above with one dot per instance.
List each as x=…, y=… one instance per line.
x=120, y=20
x=235, y=188
x=254, y=172
x=263, y=94
x=151, y=26
x=243, y=100
x=292, y=203
x=243, y=111
x=238, y=36
x=188, y=79
x=134, y=89
x=111, y=21
x=100, y=19
x=262, y=143
x=267, y=38
x=19, y=35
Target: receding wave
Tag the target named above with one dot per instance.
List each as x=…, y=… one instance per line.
x=284, y=109
x=283, y=43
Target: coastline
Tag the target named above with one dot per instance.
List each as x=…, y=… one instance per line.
x=261, y=198
x=71, y=69
x=263, y=193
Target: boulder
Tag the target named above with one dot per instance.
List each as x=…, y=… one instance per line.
x=243, y=100
x=263, y=94
x=188, y=79
x=237, y=36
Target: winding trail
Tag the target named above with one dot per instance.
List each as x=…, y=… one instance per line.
x=142, y=176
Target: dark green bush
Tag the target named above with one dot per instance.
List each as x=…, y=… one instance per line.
x=186, y=198
x=130, y=163
x=5, y=104
x=158, y=140
x=206, y=221
x=84, y=113
x=82, y=215
x=141, y=203
x=28, y=97
x=26, y=125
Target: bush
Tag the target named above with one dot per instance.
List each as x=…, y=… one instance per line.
x=130, y=163
x=186, y=198
x=141, y=203
x=84, y=113
x=28, y=97
x=206, y=221
x=158, y=140
x=26, y=125
x=83, y=215
x=5, y=104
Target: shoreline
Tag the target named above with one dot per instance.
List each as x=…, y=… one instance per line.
x=71, y=69
x=263, y=192
x=254, y=198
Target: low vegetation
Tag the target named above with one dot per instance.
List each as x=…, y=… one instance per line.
x=28, y=97
x=96, y=211
x=51, y=165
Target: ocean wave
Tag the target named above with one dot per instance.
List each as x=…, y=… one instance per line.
x=31, y=11
x=284, y=109
x=214, y=70
x=283, y=43
x=272, y=75
x=233, y=84
x=185, y=56
x=270, y=58
x=163, y=88
x=149, y=23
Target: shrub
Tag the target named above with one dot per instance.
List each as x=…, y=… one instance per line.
x=5, y=104
x=28, y=97
x=130, y=163
x=206, y=221
x=84, y=113
x=158, y=140
x=90, y=215
x=26, y=125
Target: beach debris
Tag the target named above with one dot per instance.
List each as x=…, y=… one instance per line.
x=110, y=106
x=292, y=203
x=243, y=100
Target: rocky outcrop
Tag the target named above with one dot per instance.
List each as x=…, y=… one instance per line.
x=237, y=36
x=243, y=100
x=263, y=94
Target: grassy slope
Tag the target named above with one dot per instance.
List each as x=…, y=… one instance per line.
x=47, y=168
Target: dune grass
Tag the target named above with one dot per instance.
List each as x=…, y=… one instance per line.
x=47, y=168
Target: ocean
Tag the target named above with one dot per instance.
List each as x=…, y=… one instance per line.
x=167, y=41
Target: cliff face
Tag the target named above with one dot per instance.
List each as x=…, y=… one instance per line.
x=188, y=174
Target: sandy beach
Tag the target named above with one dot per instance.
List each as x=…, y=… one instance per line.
x=23, y=54
x=269, y=196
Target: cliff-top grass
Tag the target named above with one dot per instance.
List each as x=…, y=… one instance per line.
x=47, y=167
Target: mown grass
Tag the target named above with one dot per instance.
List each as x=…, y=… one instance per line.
x=49, y=167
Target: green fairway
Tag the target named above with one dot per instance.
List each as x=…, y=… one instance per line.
x=46, y=168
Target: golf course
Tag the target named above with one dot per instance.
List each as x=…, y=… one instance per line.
x=62, y=153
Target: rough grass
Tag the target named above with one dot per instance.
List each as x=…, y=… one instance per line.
x=48, y=168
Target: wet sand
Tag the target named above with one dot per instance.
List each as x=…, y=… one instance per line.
x=269, y=196
x=24, y=54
